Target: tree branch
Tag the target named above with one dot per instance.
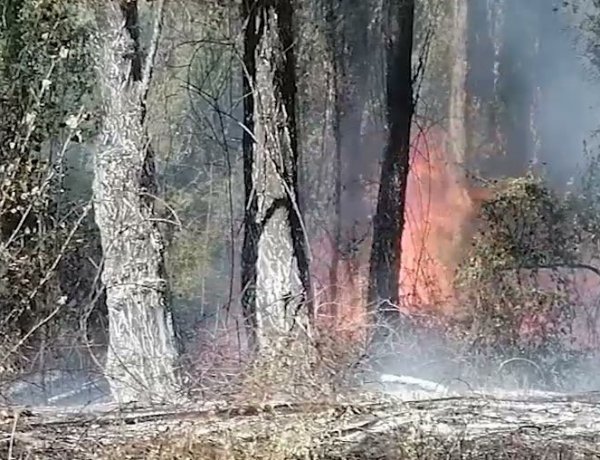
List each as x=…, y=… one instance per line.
x=152, y=49
x=559, y=265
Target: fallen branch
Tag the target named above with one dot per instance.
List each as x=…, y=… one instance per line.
x=365, y=428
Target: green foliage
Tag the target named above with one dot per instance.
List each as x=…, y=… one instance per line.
x=44, y=75
x=584, y=198
x=526, y=226
x=525, y=229
x=198, y=283
x=45, y=66
x=195, y=107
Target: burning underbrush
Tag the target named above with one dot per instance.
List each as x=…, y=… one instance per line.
x=526, y=290
x=498, y=286
x=517, y=285
x=498, y=278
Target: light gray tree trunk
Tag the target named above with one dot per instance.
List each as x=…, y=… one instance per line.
x=275, y=266
x=482, y=78
x=140, y=363
x=457, y=133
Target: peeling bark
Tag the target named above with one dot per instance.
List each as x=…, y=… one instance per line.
x=140, y=363
x=274, y=262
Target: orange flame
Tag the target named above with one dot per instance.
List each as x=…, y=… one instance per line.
x=440, y=216
x=439, y=213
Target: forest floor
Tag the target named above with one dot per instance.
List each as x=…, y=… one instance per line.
x=366, y=425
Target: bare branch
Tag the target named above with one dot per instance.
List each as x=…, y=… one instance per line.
x=152, y=49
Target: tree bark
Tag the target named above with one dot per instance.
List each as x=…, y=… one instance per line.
x=354, y=61
x=517, y=82
x=457, y=124
x=335, y=55
x=347, y=35
x=481, y=78
x=275, y=278
x=389, y=218
x=140, y=363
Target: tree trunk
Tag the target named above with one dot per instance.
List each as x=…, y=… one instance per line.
x=481, y=78
x=335, y=55
x=354, y=65
x=389, y=218
x=457, y=109
x=347, y=34
x=274, y=261
x=517, y=82
x=140, y=363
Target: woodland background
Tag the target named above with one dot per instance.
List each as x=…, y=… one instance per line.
x=500, y=244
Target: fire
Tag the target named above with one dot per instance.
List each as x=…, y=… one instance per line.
x=440, y=217
x=440, y=208
x=346, y=311
x=439, y=213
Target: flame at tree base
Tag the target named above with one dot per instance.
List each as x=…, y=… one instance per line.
x=439, y=210
x=441, y=214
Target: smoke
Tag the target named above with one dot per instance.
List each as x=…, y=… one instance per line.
x=534, y=85
x=531, y=70
x=569, y=106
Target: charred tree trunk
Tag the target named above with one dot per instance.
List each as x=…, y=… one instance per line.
x=347, y=35
x=275, y=275
x=140, y=364
x=389, y=218
x=335, y=54
x=354, y=65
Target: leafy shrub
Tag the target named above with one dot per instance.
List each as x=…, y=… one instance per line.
x=515, y=296
x=44, y=76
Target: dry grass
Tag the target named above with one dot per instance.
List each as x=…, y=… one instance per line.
x=314, y=413
x=301, y=439
x=366, y=426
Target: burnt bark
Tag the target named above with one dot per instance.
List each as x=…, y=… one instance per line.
x=140, y=363
x=388, y=221
x=354, y=68
x=335, y=54
x=275, y=278
x=347, y=36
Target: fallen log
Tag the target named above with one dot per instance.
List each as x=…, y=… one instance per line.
x=368, y=426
